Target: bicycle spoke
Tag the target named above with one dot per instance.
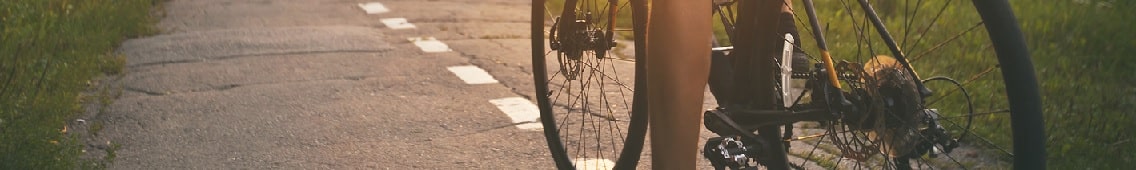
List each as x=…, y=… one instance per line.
x=909, y=18
x=610, y=113
x=812, y=151
x=983, y=139
x=626, y=105
x=948, y=41
x=934, y=20
x=968, y=81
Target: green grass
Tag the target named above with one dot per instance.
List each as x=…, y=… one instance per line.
x=1081, y=52
x=50, y=51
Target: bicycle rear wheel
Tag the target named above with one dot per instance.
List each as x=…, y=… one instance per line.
x=585, y=89
x=970, y=41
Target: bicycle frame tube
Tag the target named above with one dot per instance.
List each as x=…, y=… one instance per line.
x=613, y=7
x=726, y=23
x=880, y=28
x=822, y=44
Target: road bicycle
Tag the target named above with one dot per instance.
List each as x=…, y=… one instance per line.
x=862, y=105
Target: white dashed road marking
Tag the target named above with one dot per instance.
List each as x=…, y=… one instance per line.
x=374, y=8
x=397, y=23
x=523, y=112
x=590, y=164
x=520, y=110
x=429, y=44
x=472, y=74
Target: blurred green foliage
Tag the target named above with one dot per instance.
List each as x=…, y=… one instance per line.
x=1083, y=52
x=50, y=50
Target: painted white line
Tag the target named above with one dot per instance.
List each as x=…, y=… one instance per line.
x=429, y=44
x=397, y=23
x=520, y=110
x=374, y=8
x=472, y=74
x=590, y=164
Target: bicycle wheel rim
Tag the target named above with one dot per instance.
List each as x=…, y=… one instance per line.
x=586, y=99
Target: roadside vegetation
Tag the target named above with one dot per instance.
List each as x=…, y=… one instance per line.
x=51, y=51
x=1081, y=51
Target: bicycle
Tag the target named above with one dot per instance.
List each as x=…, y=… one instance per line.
x=877, y=111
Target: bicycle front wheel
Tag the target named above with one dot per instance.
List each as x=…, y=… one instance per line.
x=585, y=88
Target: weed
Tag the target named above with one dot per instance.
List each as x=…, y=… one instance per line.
x=50, y=51
x=112, y=150
x=96, y=127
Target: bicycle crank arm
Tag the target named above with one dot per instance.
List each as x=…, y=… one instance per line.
x=727, y=122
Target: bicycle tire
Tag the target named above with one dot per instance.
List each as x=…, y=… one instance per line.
x=1026, y=119
x=627, y=125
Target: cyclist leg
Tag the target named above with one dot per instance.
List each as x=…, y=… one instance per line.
x=678, y=69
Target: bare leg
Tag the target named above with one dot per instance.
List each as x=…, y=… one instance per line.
x=678, y=68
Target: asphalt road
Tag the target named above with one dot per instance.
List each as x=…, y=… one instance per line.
x=322, y=84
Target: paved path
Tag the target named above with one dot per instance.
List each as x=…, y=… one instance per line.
x=320, y=84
